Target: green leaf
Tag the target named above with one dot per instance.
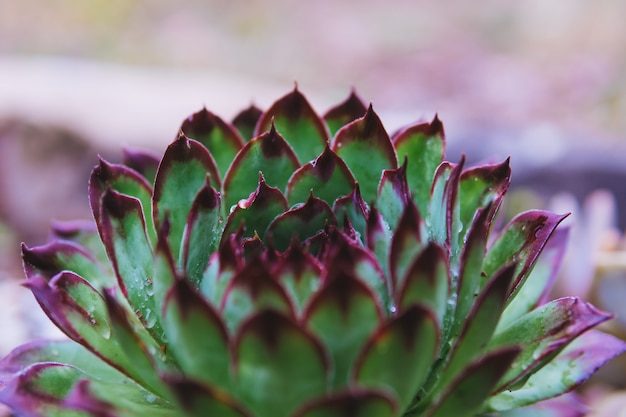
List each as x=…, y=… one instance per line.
x=294, y=118
x=220, y=138
x=274, y=355
x=399, y=355
x=424, y=147
x=393, y=195
x=197, y=337
x=343, y=315
x=574, y=365
x=468, y=393
x=267, y=153
x=202, y=234
x=352, y=208
x=144, y=162
x=256, y=212
x=126, y=242
x=351, y=404
x=185, y=169
x=345, y=112
x=327, y=176
x=406, y=244
x=367, y=150
x=198, y=400
x=300, y=222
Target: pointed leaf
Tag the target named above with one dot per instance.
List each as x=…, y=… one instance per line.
x=246, y=120
x=202, y=234
x=328, y=176
x=345, y=112
x=399, y=355
x=220, y=138
x=378, y=238
x=574, y=365
x=521, y=241
x=275, y=355
x=393, y=195
x=124, y=236
x=343, y=315
x=424, y=147
x=355, y=210
x=85, y=234
x=124, y=181
x=367, y=150
x=297, y=122
x=256, y=212
x=199, y=339
x=406, y=243
x=426, y=283
x=144, y=162
x=543, y=332
x=300, y=222
x=351, y=404
x=469, y=392
x=182, y=173
x=267, y=153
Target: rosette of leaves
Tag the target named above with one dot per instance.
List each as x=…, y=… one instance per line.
x=287, y=264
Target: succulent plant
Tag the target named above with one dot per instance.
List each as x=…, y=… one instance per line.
x=288, y=264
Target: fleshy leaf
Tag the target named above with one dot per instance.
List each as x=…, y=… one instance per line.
x=268, y=154
x=144, y=162
x=274, y=355
x=124, y=236
x=378, y=238
x=183, y=172
x=200, y=401
x=355, y=210
x=246, y=120
x=202, y=234
x=367, y=150
x=295, y=119
x=399, y=355
x=220, y=138
x=351, y=404
x=256, y=212
x=542, y=333
x=124, y=181
x=345, y=112
x=393, y=195
x=521, y=241
x=426, y=282
x=327, y=175
x=574, y=365
x=83, y=233
x=301, y=222
x=424, y=146
x=201, y=347
x=343, y=315
x=468, y=393
x=406, y=243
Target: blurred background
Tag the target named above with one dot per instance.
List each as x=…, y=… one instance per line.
x=541, y=81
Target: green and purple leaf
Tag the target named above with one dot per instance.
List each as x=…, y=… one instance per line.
x=198, y=400
x=393, y=195
x=345, y=112
x=144, y=162
x=246, y=120
x=351, y=404
x=220, y=138
x=294, y=118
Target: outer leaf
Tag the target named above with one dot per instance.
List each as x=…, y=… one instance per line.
x=542, y=333
x=255, y=213
x=124, y=181
x=295, y=119
x=182, y=173
x=351, y=404
x=221, y=139
x=267, y=153
x=199, y=338
x=83, y=233
x=393, y=195
x=144, y=162
x=521, y=241
x=424, y=146
x=246, y=120
x=355, y=210
x=343, y=315
x=378, y=238
x=275, y=355
x=406, y=243
x=399, y=355
x=300, y=222
x=124, y=236
x=367, y=150
x=345, y=112
x=469, y=392
x=327, y=175
x=574, y=365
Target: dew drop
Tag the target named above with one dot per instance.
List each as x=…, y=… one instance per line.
x=150, y=398
x=149, y=319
